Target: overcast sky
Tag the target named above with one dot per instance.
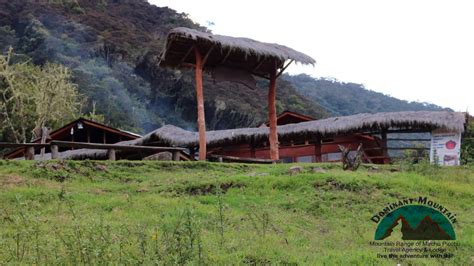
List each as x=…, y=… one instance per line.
x=416, y=50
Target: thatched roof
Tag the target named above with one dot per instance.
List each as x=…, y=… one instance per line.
x=243, y=53
x=170, y=135
x=423, y=120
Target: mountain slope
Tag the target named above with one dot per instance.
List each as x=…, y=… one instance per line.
x=112, y=47
x=341, y=98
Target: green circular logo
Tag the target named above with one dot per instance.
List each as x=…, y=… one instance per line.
x=415, y=222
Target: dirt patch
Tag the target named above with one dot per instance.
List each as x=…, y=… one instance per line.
x=253, y=260
x=12, y=180
x=204, y=189
x=100, y=191
x=335, y=185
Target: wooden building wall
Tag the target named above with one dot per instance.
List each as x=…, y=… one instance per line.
x=297, y=150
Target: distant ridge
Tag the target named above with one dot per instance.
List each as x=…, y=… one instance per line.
x=341, y=98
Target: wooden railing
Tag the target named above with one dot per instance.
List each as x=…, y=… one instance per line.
x=111, y=148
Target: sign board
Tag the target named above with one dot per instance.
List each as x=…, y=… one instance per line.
x=445, y=148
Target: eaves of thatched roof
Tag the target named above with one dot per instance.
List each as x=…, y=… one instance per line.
x=170, y=135
x=242, y=53
x=423, y=120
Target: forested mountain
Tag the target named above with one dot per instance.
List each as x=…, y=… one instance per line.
x=340, y=98
x=112, y=48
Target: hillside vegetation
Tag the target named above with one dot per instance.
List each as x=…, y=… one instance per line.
x=112, y=48
x=206, y=213
x=346, y=98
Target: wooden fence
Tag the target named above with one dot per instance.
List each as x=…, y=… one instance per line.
x=111, y=148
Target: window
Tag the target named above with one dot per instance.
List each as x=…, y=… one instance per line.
x=305, y=159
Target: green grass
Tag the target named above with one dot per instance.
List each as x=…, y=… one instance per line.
x=208, y=213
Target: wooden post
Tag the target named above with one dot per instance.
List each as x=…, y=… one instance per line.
x=44, y=135
x=175, y=155
x=192, y=153
x=272, y=118
x=252, y=151
x=30, y=153
x=88, y=134
x=54, y=152
x=384, y=147
x=200, y=106
x=111, y=154
x=317, y=151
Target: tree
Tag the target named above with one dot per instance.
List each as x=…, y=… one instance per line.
x=34, y=97
x=467, y=147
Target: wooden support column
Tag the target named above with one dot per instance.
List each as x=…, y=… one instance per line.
x=200, y=106
x=272, y=118
x=175, y=155
x=111, y=154
x=386, y=160
x=317, y=151
x=88, y=130
x=30, y=153
x=192, y=153
x=54, y=152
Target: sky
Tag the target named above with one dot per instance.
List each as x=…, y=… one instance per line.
x=415, y=50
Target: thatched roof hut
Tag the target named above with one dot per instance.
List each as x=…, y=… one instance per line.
x=244, y=57
x=241, y=53
x=411, y=120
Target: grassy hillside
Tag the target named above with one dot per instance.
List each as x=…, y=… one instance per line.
x=148, y=212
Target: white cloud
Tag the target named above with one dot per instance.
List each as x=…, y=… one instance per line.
x=413, y=50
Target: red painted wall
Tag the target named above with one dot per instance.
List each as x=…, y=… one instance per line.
x=328, y=149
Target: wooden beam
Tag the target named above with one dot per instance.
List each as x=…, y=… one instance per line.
x=397, y=148
x=201, y=120
x=272, y=117
x=408, y=148
x=225, y=57
x=261, y=76
x=204, y=60
x=22, y=145
x=121, y=147
x=186, y=55
x=404, y=139
x=283, y=69
x=259, y=64
x=225, y=158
